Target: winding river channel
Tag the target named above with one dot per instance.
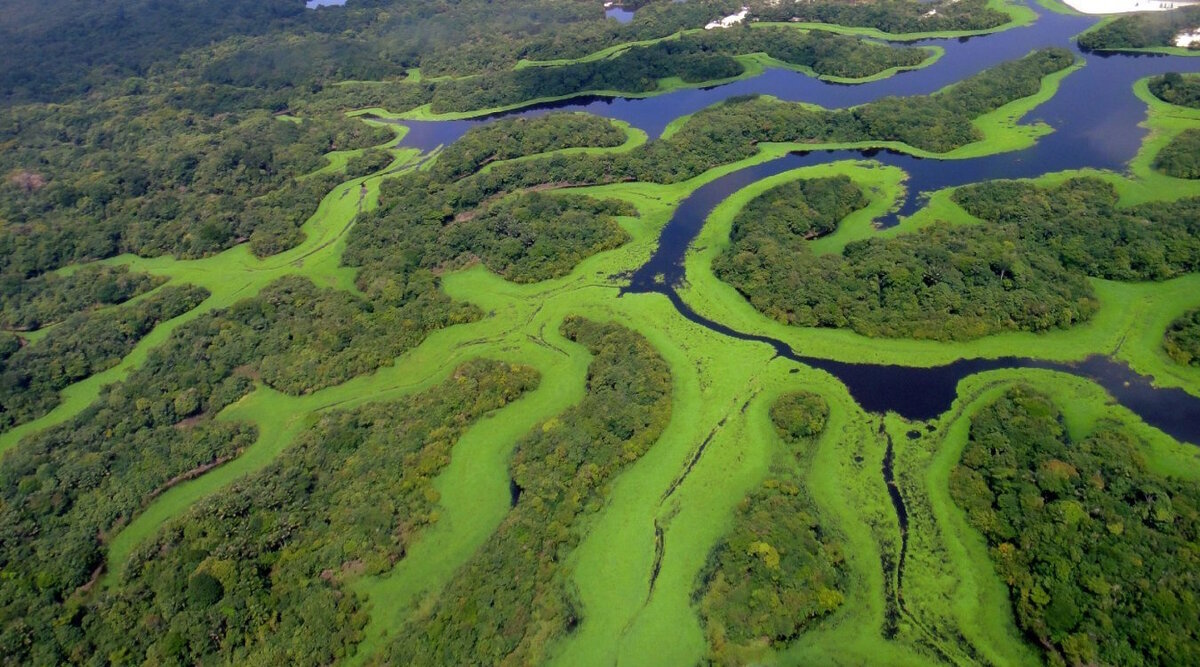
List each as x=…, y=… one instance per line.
x=1094, y=115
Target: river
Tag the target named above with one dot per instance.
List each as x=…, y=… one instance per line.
x=1094, y=116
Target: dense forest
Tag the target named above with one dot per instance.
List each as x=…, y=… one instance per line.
x=1181, y=156
x=892, y=17
x=1181, y=89
x=232, y=177
x=731, y=131
x=562, y=470
x=778, y=569
x=1142, y=30
x=188, y=171
x=258, y=574
x=28, y=305
x=67, y=487
x=278, y=46
x=1025, y=270
x=61, y=47
x=693, y=58
x=274, y=44
x=97, y=180
x=437, y=218
x=1098, y=552
x=526, y=237
x=1182, y=339
x=808, y=208
x=81, y=346
x=659, y=19
x=511, y=138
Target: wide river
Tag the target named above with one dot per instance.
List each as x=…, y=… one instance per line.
x=1095, y=118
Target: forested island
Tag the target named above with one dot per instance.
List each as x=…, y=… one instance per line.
x=508, y=332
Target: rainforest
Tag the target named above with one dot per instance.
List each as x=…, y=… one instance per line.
x=549, y=332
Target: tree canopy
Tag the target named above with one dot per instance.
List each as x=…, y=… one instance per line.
x=1098, y=552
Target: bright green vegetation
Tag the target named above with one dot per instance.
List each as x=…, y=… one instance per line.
x=1026, y=270
x=560, y=472
x=27, y=305
x=1146, y=31
x=1182, y=340
x=1097, y=550
x=1181, y=157
x=1175, y=88
x=778, y=570
x=260, y=573
x=84, y=344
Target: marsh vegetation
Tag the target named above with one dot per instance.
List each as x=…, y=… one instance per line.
x=278, y=387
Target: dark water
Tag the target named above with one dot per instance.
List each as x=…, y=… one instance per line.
x=620, y=14
x=1095, y=118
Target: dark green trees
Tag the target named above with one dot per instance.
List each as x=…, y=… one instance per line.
x=778, y=569
x=1182, y=340
x=1025, y=270
x=1181, y=157
x=1100, y=554
x=84, y=344
x=1140, y=31
x=1176, y=88
x=259, y=573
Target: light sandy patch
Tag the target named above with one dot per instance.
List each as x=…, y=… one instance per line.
x=1122, y=6
x=1187, y=39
